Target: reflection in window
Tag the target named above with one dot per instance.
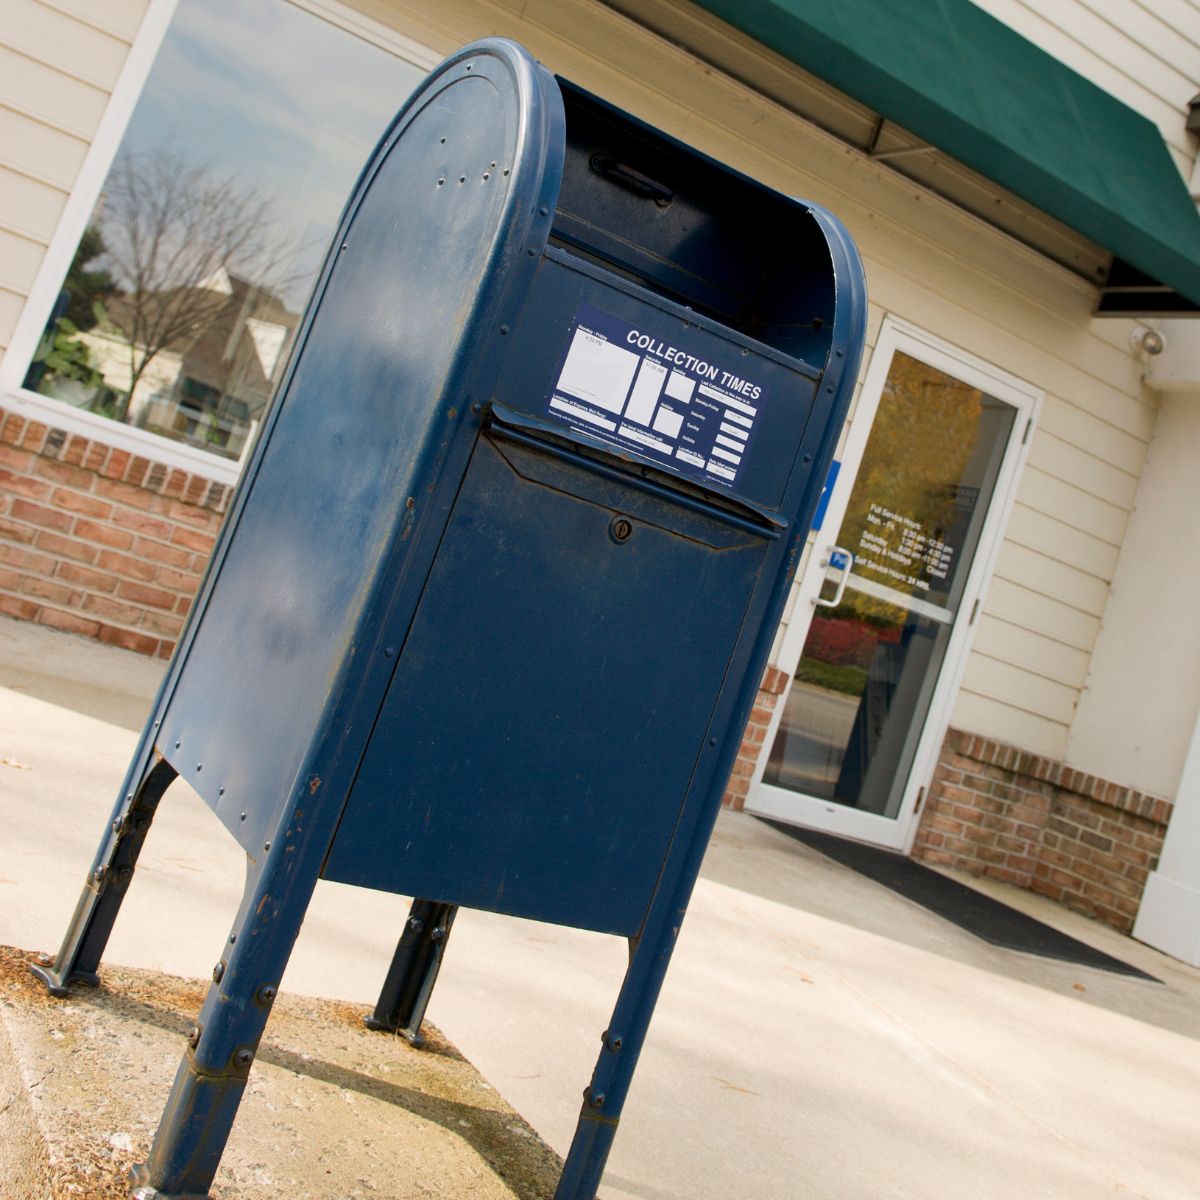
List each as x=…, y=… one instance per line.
x=180, y=306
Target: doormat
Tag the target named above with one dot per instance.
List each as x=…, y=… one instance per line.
x=977, y=913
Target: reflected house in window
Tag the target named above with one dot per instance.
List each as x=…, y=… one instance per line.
x=209, y=388
x=180, y=304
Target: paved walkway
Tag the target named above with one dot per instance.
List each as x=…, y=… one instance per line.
x=818, y=1036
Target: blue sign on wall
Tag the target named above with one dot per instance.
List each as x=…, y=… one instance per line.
x=826, y=492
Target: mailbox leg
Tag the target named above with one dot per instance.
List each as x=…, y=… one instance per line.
x=107, y=883
x=222, y=1045
x=604, y=1097
x=603, y=1102
x=414, y=971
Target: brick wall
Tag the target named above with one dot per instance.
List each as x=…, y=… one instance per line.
x=995, y=810
x=99, y=541
x=774, y=684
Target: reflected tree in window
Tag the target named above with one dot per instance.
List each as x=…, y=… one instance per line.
x=176, y=236
x=185, y=294
x=181, y=329
x=61, y=353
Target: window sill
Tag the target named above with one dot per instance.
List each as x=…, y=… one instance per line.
x=57, y=415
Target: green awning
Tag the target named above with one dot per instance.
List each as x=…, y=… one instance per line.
x=978, y=91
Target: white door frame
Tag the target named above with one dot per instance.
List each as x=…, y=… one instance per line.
x=798, y=809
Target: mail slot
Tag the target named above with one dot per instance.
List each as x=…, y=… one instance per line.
x=492, y=602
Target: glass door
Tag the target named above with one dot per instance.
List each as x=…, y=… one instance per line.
x=880, y=629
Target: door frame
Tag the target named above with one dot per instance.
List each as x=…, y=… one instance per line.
x=898, y=833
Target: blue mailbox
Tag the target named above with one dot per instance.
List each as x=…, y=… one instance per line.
x=488, y=614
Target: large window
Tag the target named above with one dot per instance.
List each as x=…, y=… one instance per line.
x=185, y=292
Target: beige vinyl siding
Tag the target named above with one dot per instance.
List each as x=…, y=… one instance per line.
x=1022, y=727
x=1144, y=52
x=53, y=35
x=1042, y=655
x=59, y=61
x=1068, y=424
x=47, y=95
x=19, y=261
x=28, y=207
x=1048, y=576
x=10, y=307
x=1074, y=547
x=1052, y=496
x=119, y=18
x=1036, y=695
x=39, y=151
x=1087, y=470
x=1054, y=616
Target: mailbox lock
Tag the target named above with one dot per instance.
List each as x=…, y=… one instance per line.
x=620, y=529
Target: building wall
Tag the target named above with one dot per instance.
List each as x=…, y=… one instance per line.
x=999, y=811
x=98, y=541
x=1148, y=56
x=925, y=260
x=1144, y=679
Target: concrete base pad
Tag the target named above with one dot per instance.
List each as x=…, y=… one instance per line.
x=331, y=1109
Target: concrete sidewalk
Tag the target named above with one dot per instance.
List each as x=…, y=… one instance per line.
x=818, y=1036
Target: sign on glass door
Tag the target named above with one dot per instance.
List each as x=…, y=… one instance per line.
x=893, y=590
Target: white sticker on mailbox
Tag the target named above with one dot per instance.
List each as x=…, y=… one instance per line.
x=668, y=403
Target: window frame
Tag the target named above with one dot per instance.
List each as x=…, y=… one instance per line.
x=80, y=204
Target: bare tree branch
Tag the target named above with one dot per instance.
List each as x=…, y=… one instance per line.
x=170, y=227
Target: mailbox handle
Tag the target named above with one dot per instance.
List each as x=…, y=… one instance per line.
x=633, y=180
x=532, y=431
x=843, y=564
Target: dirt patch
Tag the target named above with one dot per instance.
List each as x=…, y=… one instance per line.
x=331, y=1109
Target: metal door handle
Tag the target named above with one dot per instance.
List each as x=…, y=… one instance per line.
x=842, y=559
